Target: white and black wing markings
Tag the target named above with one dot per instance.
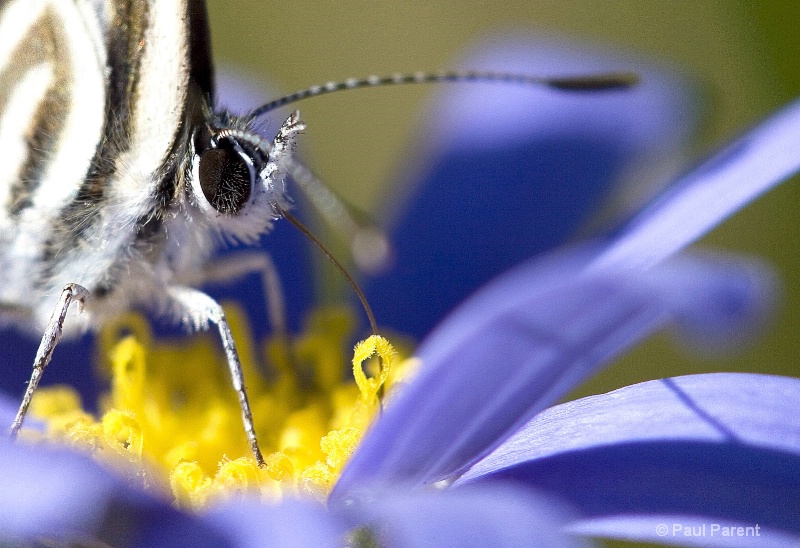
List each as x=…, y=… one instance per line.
x=94, y=99
x=108, y=144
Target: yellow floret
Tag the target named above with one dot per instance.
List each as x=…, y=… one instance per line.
x=172, y=419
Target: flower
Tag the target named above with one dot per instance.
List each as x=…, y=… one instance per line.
x=168, y=431
x=475, y=416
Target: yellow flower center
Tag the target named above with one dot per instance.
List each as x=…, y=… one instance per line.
x=172, y=422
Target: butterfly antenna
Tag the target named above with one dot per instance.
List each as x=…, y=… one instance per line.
x=308, y=234
x=597, y=82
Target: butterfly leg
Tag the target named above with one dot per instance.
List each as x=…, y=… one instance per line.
x=198, y=311
x=239, y=264
x=71, y=293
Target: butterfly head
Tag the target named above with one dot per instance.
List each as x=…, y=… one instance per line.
x=237, y=176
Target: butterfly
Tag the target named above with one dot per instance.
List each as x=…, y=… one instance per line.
x=120, y=179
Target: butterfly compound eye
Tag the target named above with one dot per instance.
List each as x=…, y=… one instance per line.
x=226, y=178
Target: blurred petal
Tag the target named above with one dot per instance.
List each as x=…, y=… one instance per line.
x=751, y=165
x=489, y=516
x=655, y=113
x=239, y=92
x=291, y=523
x=66, y=497
x=503, y=172
x=517, y=346
x=40, y=496
x=720, y=447
x=683, y=530
x=8, y=412
x=8, y=409
x=714, y=316
x=70, y=365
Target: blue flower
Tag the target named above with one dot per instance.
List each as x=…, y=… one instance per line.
x=471, y=452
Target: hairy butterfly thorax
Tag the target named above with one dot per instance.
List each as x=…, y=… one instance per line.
x=119, y=180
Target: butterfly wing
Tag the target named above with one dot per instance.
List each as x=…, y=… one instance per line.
x=97, y=102
x=52, y=88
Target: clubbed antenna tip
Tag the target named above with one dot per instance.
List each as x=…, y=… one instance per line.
x=596, y=82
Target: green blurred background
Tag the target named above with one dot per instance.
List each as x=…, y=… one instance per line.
x=744, y=53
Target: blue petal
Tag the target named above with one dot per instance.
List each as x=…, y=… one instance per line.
x=516, y=347
x=8, y=409
x=470, y=339
x=696, y=203
x=8, y=412
x=70, y=365
x=684, y=530
x=250, y=523
x=66, y=497
x=503, y=172
x=715, y=447
x=239, y=93
x=39, y=496
x=488, y=516
x=709, y=315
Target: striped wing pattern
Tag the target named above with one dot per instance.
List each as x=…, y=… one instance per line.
x=97, y=99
